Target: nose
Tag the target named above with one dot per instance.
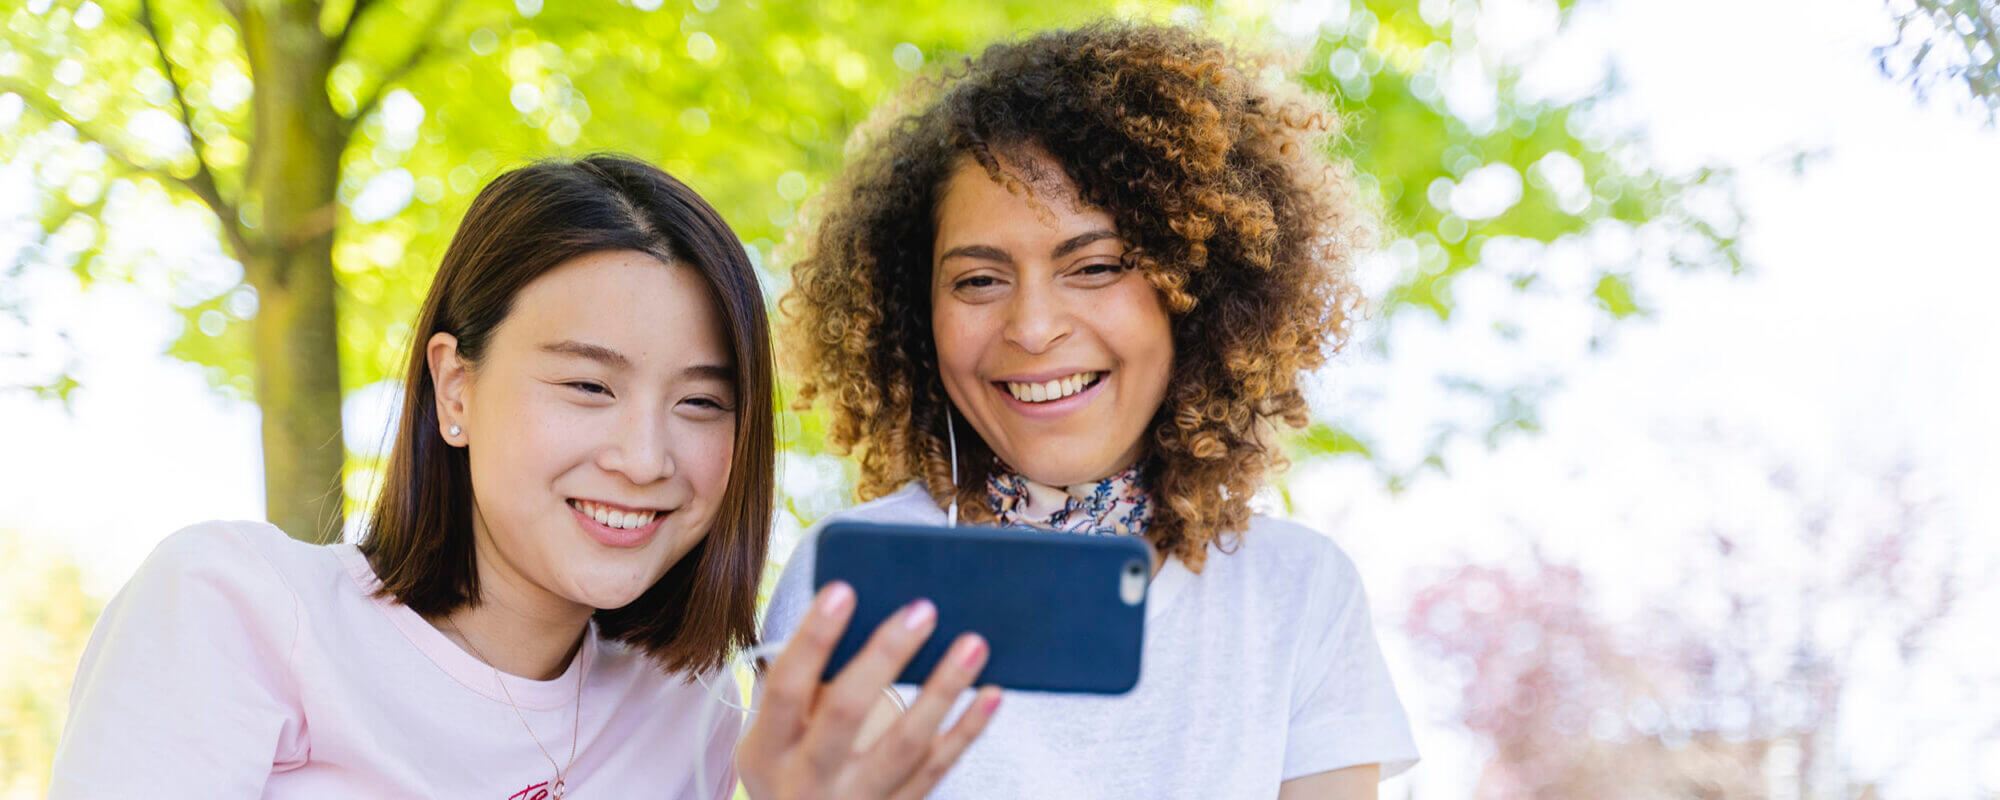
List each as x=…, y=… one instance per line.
x=1036, y=318
x=641, y=448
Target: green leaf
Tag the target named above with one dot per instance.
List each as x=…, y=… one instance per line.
x=1615, y=295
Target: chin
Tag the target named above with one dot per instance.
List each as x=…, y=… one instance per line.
x=1061, y=471
x=606, y=601
x=607, y=592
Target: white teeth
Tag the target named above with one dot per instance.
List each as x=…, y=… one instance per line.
x=1052, y=390
x=616, y=519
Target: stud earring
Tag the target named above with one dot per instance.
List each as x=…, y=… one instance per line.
x=454, y=431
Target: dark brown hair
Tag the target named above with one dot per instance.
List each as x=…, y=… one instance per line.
x=523, y=224
x=1217, y=176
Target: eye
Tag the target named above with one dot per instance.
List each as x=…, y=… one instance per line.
x=1098, y=273
x=706, y=407
x=975, y=282
x=590, y=388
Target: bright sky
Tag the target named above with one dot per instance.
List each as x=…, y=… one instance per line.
x=1860, y=341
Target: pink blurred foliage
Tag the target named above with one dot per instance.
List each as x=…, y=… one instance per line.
x=1729, y=686
x=1568, y=706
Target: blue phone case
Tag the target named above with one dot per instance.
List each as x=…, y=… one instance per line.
x=1054, y=607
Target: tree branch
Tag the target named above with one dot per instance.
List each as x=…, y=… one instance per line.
x=203, y=182
x=346, y=31
x=42, y=104
x=410, y=61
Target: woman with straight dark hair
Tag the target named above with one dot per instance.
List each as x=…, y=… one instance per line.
x=564, y=553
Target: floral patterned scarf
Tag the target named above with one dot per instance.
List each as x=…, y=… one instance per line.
x=1119, y=505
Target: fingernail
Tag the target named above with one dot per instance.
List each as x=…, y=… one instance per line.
x=989, y=704
x=835, y=598
x=918, y=614
x=975, y=649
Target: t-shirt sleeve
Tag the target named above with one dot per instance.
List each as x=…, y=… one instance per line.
x=186, y=687
x=793, y=594
x=1344, y=707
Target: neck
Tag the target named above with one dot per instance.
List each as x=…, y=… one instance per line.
x=517, y=627
x=1120, y=472
x=516, y=641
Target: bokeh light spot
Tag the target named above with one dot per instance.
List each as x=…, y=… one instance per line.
x=701, y=46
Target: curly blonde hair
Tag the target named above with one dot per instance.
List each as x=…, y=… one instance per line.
x=1217, y=175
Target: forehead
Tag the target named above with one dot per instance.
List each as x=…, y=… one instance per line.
x=649, y=310
x=1044, y=202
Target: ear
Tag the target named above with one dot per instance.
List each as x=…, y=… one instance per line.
x=451, y=378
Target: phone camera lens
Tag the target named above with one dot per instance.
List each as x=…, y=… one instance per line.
x=1132, y=586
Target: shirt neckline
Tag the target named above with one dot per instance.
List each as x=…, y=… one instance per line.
x=1166, y=585
x=462, y=666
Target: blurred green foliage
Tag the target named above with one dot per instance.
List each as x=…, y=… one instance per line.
x=1953, y=45
x=45, y=618
x=750, y=103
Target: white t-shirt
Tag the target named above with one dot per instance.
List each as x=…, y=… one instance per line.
x=239, y=663
x=1260, y=669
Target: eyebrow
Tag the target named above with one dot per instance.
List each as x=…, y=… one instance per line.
x=1077, y=242
x=984, y=252
x=612, y=358
x=990, y=253
x=594, y=352
x=709, y=372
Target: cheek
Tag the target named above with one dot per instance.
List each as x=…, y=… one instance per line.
x=1147, y=332
x=502, y=437
x=954, y=333
x=708, y=458
x=526, y=443
x=551, y=436
x=955, y=355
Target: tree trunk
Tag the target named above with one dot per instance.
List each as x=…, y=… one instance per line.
x=290, y=198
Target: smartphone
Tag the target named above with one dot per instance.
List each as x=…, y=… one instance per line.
x=1062, y=612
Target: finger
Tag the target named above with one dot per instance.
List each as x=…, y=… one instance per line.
x=946, y=749
x=908, y=741
x=793, y=680
x=844, y=703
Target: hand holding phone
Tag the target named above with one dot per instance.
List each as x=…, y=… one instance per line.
x=801, y=743
x=1063, y=612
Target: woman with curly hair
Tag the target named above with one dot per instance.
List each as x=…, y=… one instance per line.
x=1101, y=261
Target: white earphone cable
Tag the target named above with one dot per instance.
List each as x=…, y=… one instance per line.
x=951, y=438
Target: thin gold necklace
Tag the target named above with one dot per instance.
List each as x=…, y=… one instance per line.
x=556, y=790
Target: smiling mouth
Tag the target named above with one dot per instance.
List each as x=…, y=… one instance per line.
x=1050, y=391
x=614, y=517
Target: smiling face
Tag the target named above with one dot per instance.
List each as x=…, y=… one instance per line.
x=1054, y=351
x=598, y=424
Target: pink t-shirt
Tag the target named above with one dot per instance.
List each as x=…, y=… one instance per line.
x=239, y=662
